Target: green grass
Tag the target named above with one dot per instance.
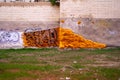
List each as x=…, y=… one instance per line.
x=5, y=66
x=12, y=76
x=38, y=63
x=77, y=65
x=110, y=73
x=84, y=76
x=24, y=59
x=103, y=51
x=25, y=50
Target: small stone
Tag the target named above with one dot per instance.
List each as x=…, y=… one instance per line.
x=80, y=69
x=63, y=69
x=81, y=72
x=71, y=71
x=61, y=78
x=74, y=61
x=95, y=74
x=67, y=78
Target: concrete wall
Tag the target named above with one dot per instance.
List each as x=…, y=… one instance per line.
x=88, y=8
x=97, y=20
x=45, y=12
x=17, y=19
x=35, y=24
x=21, y=0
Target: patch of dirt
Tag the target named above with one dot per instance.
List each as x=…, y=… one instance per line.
x=14, y=70
x=102, y=60
x=43, y=75
x=49, y=77
x=35, y=72
x=26, y=54
x=25, y=78
x=3, y=60
x=105, y=64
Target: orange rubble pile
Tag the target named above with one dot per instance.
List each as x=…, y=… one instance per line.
x=68, y=39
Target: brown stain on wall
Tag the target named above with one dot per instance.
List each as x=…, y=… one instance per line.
x=44, y=38
x=103, y=23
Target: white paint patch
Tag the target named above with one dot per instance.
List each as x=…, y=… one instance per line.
x=13, y=41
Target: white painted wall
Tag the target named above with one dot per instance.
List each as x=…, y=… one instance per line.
x=1, y=0
x=90, y=8
x=29, y=13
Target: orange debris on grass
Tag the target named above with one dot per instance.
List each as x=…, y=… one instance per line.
x=68, y=39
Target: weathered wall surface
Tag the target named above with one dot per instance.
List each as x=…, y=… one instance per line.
x=41, y=12
x=97, y=20
x=19, y=19
x=36, y=24
x=88, y=8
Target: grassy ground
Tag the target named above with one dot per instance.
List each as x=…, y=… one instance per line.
x=54, y=64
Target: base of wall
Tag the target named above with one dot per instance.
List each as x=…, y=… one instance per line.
x=97, y=29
